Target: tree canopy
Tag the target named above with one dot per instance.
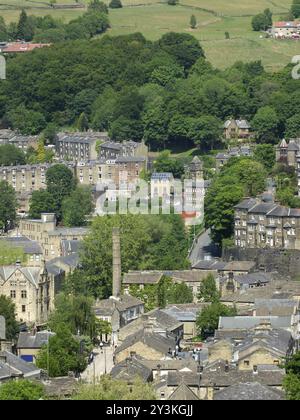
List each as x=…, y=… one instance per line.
x=241, y=177
x=8, y=206
x=21, y=390
x=7, y=310
x=11, y=155
x=116, y=390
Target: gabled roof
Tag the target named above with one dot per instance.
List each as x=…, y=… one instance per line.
x=131, y=368
x=162, y=322
x=283, y=144
x=28, y=341
x=248, y=391
x=142, y=277
x=246, y=204
x=106, y=307
x=243, y=124
x=276, y=307
x=153, y=340
x=293, y=147
x=32, y=274
x=262, y=208
x=183, y=393
x=247, y=322
x=26, y=369
x=253, y=278
x=29, y=247
x=239, y=266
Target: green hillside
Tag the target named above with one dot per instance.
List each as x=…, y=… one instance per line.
x=214, y=18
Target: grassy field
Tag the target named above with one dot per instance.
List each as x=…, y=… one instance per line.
x=153, y=18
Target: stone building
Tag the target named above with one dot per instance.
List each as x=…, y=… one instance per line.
x=146, y=343
x=159, y=321
x=30, y=343
x=79, y=146
x=288, y=152
x=32, y=249
x=48, y=235
x=192, y=278
x=194, y=170
x=220, y=375
x=261, y=224
x=110, y=150
x=249, y=391
x=239, y=129
x=32, y=289
x=14, y=368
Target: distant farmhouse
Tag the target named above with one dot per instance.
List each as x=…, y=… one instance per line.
x=20, y=47
x=286, y=30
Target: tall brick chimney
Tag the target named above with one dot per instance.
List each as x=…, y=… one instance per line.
x=116, y=263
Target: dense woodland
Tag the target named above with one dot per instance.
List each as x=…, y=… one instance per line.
x=164, y=91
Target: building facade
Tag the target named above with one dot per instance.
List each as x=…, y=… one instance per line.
x=48, y=235
x=80, y=147
x=240, y=129
x=261, y=224
x=32, y=290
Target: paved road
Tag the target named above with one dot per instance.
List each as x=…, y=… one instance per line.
x=203, y=249
x=99, y=366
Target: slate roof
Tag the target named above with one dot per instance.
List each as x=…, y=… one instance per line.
x=70, y=246
x=279, y=211
x=183, y=393
x=239, y=266
x=293, y=147
x=248, y=391
x=29, y=247
x=32, y=274
x=185, y=312
x=75, y=231
x=162, y=322
x=131, y=368
x=247, y=322
x=2, y=328
x=142, y=277
x=262, y=208
x=56, y=265
x=243, y=124
x=274, y=290
x=153, y=340
x=214, y=374
x=18, y=366
x=128, y=159
x=28, y=341
x=277, y=307
x=253, y=278
x=106, y=307
x=246, y=204
x=222, y=156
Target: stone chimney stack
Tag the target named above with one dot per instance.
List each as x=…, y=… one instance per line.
x=116, y=263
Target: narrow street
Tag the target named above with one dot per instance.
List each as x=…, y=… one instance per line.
x=102, y=363
x=203, y=249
